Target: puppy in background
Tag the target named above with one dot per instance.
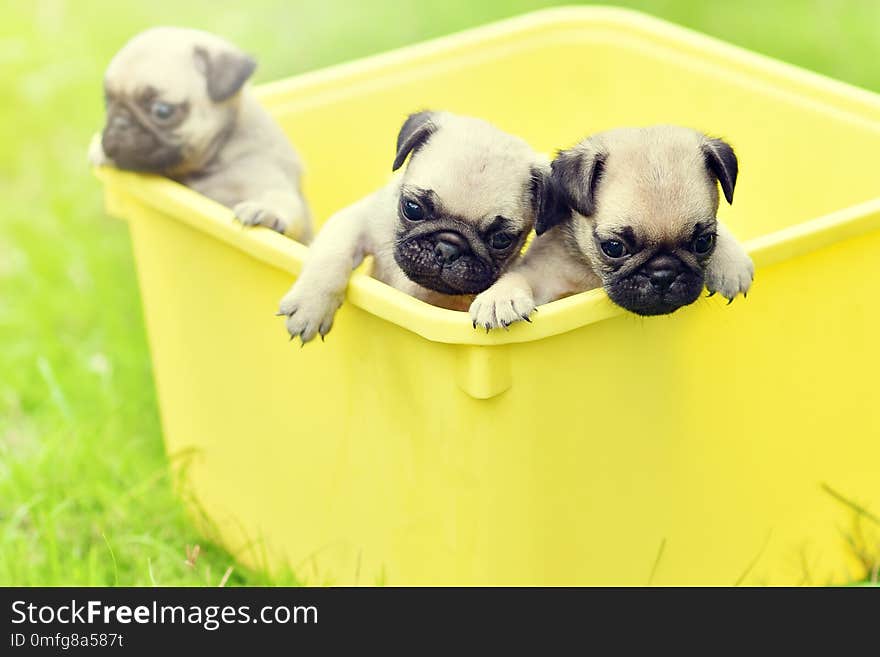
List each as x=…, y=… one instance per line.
x=177, y=106
x=637, y=216
x=443, y=230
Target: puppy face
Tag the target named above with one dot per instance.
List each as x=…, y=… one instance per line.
x=171, y=97
x=644, y=204
x=468, y=199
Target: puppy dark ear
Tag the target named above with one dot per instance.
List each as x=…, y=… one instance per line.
x=576, y=175
x=225, y=71
x=721, y=161
x=414, y=133
x=550, y=208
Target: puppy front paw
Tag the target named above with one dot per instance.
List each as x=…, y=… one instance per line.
x=309, y=313
x=254, y=213
x=730, y=271
x=501, y=305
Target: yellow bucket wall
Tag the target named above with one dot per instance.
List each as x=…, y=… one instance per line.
x=590, y=447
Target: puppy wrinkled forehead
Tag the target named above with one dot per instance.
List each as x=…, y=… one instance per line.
x=161, y=58
x=659, y=176
x=475, y=169
x=657, y=155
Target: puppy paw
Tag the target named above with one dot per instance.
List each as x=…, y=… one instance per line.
x=501, y=305
x=253, y=213
x=730, y=271
x=309, y=313
x=97, y=157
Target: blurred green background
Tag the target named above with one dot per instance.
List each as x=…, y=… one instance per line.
x=85, y=489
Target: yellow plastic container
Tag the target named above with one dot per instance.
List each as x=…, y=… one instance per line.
x=590, y=447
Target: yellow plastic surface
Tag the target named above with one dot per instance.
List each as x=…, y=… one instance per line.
x=590, y=447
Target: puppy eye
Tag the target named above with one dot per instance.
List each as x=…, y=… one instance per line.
x=614, y=248
x=413, y=211
x=501, y=241
x=162, y=111
x=704, y=243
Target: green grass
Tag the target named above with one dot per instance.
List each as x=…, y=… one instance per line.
x=85, y=490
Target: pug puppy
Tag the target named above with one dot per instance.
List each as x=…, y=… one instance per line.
x=636, y=215
x=177, y=106
x=442, y=231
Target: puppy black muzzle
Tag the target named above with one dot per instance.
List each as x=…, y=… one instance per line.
x=660, y=286
x=133, y=144
x=447, y=260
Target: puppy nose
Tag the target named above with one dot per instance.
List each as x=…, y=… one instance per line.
x=662, y=271
x=446, y=253
x=661, y=279
x=448, y=248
